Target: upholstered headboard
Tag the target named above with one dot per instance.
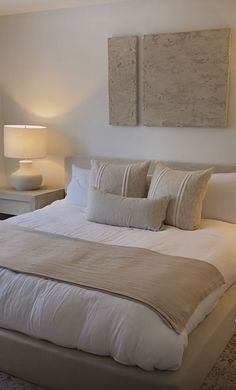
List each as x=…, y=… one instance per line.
x=84, y=162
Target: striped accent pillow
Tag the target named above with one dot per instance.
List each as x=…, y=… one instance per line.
x=120, y=179
x=186, y=189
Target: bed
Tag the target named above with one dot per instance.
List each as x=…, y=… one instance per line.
x=43, y=355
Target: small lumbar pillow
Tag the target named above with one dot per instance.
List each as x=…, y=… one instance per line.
x=186, y=190
x=128, y=180
x=117, y=210
x=77, y=190
x=220, y=200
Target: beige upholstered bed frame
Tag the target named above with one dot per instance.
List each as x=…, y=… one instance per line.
x=59, y=368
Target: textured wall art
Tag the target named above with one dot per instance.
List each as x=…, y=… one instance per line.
x=123, y=74
x=186, y=78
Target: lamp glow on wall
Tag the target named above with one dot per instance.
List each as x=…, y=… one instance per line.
x=25, y=143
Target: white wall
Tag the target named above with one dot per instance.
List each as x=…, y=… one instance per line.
x=54, y=72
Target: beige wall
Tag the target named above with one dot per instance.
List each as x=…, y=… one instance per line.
x=54, y=72
x=2, y=167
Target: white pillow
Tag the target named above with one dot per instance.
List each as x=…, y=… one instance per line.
x=77, y=190
x=220, y=200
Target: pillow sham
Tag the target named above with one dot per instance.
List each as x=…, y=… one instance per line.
x=126, y=180
x=117, y=210
x=186, y=189
x=220, y=200
x=77, y=190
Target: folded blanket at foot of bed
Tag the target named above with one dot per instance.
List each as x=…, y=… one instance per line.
x=172, y=286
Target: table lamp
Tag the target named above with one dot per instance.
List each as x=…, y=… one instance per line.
x=25, y=143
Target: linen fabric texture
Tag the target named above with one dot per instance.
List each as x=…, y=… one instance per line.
x=139, y=274
x=129, y=180
x=113, y=329
x=186, y=189
x=141, y=213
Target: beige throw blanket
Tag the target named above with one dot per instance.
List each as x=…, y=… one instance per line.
x=170, y=285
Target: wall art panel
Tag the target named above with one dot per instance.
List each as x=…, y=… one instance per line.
x=185, y=79
x=123, y=75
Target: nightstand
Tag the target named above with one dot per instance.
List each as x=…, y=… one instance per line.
x=14, y=202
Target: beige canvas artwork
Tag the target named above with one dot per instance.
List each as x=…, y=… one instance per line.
x=123, y=73
x=186, y=79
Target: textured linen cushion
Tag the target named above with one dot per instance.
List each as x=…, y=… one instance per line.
x=220, y=200
x=77, y=190
x=116, y=210
x=186, y=190
x=120, y=179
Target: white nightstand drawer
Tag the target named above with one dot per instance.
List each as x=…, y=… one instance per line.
x=14, y=207
x=18, y=202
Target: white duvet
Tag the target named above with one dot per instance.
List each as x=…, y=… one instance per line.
x=103, y=324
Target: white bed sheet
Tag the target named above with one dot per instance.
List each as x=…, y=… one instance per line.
x=104, y=324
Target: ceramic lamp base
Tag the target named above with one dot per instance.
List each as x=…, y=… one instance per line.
x=26, y=177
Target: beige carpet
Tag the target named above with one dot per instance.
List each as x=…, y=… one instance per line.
x=223, y=374
x=221, y=377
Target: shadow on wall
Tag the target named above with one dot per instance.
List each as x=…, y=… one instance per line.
x=59, y=144
x=2, y=162
x=65, y=129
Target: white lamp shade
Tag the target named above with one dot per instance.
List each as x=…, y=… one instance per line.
x=24, y=142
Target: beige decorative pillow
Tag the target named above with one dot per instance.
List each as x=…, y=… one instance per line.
x=120, y=179
x=186, y=189
x=116, y=210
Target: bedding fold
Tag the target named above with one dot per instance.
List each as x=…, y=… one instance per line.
x=172, y=286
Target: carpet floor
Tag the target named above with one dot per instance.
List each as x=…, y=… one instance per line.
x=221, y=377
